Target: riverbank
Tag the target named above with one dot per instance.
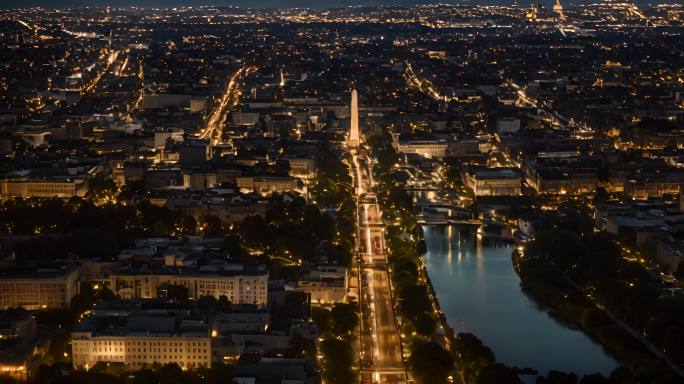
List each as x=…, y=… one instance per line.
x=423, y=317
x=553, y=292
x=449, y=334
x=479, y=293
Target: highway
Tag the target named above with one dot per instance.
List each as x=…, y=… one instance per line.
x=380, y=355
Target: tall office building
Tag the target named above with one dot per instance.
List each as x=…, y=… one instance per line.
x=353, y=140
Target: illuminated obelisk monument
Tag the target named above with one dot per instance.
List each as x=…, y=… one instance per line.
x=353, y=140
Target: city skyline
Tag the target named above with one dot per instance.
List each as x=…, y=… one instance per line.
x=275, y=3
x=433, y=194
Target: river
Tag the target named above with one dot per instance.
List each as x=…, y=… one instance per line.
x=480, y=293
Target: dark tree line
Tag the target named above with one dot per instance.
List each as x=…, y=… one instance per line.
x=573, y=270
x=79, y=228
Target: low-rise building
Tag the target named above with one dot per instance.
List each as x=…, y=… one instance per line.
x=508, y=125
x=265, y=185
x=240, y=286
x=425, y=146
x=493, y=182
x=198, y=333
x=653, y=187
x=20, y=347
x=42, y=188
x=36, y=288
x=304, y=167
x=162, y=136
x=228, y=213
x=194, y=152
x=562, y=173
x=140, y=338
x=325, y=284
x=204, y=178
x=247, y=330
x=468, y=146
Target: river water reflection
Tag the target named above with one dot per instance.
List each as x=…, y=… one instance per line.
x=480, y=293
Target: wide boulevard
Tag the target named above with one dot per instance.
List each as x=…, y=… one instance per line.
x=381, y=356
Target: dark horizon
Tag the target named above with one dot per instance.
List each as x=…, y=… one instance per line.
x=15, y=4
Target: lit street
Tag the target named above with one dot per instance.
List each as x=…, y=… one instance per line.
x=342, y=192
x=230, y=97
x=381, y=359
